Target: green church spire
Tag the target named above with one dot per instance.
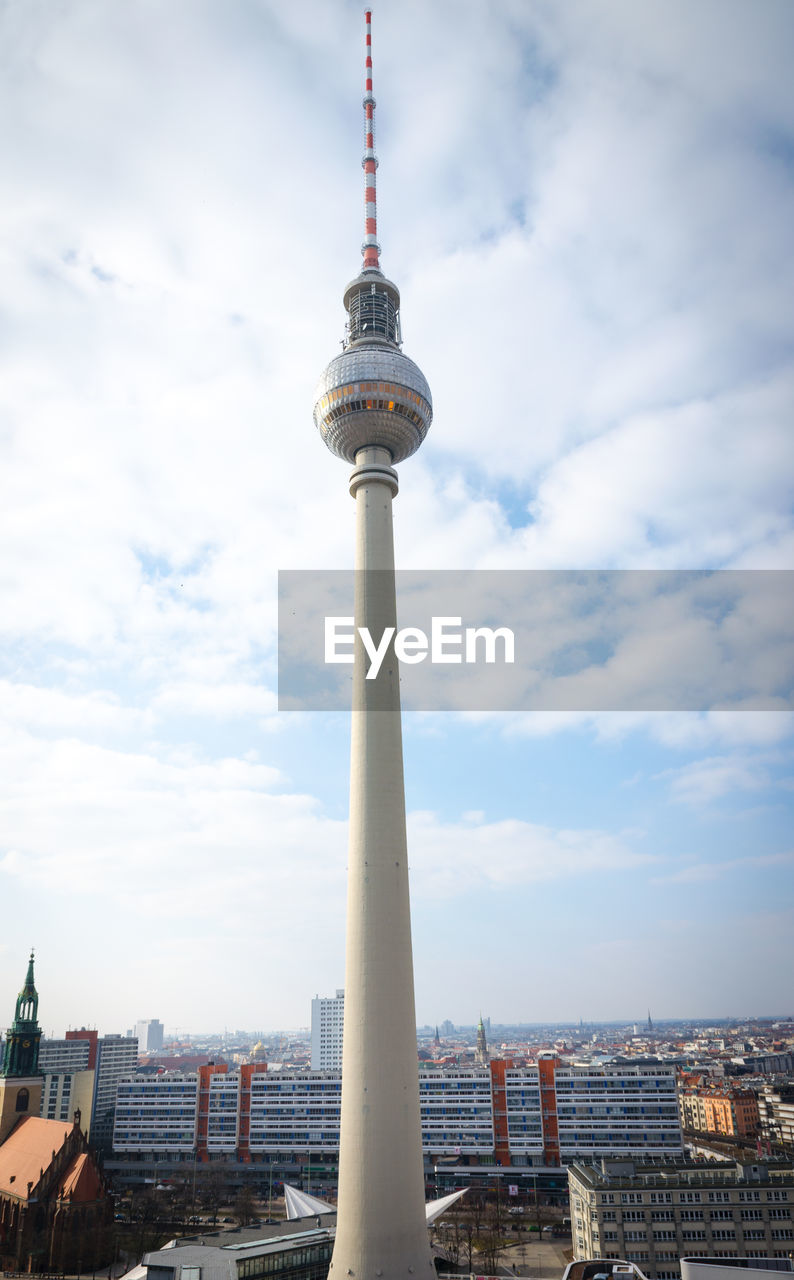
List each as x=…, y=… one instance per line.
x=21, y=1056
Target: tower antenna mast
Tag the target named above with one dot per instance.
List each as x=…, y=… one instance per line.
x=370, y=248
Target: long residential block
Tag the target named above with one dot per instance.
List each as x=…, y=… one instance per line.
x=543, y=1115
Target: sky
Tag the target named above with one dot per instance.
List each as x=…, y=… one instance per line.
x=587, y=208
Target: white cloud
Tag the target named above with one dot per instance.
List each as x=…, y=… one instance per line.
x=703, y=781
x=455, y=858
x=702, y=872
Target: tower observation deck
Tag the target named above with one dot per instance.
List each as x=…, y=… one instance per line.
x=373, y=409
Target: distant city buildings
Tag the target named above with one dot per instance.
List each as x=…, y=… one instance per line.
x=149, y=1034
x=328, y=1017
x=653, y=1216
x=531, y=1107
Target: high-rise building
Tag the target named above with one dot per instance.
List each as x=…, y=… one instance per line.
x=117, y=1057
x=328, y=1014
x=373, y=409
x=20, y=1075
x=149, y=1034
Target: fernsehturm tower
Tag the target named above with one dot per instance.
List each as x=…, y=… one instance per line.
x=373, y=409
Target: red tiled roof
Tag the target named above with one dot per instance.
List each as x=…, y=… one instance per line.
x=81, y=1180
x=27, y=1150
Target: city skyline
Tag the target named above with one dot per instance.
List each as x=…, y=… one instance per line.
x=595, y=229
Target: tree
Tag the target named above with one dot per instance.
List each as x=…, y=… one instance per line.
x=244, y=1207
x=212, y=1190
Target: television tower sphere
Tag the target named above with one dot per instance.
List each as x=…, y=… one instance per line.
x=371, y=393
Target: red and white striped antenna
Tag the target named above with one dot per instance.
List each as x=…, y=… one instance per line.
x=370, y=248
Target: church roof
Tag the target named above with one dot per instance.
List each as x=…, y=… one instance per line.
x=81, y=1180
x=27, y=1151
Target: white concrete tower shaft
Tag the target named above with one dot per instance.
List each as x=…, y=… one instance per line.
x=381, y=1229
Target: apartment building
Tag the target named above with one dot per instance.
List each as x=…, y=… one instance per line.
x=618, y=1107
x=497, y=1114
x=653, y=1215
x=719, y=1108
x=254, y=1112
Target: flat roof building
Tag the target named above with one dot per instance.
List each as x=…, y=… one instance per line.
x=297, y=1250
x=539, y=1116
x=653, y=1215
